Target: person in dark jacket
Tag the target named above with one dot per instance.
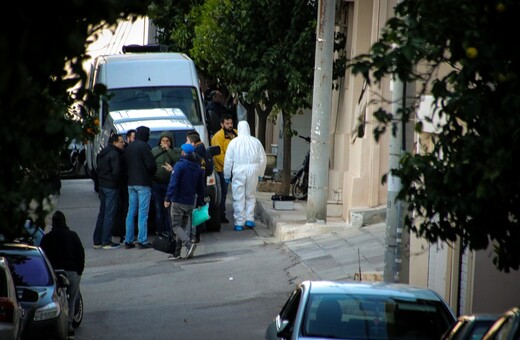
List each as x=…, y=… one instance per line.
x=186, y=188
x=141, y=169
x=64, y=250
x=122, y=209
x=216, y=108
x=109, y=170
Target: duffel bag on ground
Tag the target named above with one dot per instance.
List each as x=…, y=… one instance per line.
x=164, y=243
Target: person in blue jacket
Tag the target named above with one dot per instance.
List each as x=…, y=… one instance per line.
x=186, y=189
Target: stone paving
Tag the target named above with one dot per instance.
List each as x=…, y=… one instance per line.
x=332, y=250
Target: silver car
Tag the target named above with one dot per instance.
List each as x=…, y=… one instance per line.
x=357, y=310
x=11, y=312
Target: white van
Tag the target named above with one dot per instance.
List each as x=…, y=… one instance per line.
x=159, y=90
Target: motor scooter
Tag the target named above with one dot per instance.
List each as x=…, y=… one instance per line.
x=300, y=181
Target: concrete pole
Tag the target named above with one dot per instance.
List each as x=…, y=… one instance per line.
x=394, y=227
x=321, y=106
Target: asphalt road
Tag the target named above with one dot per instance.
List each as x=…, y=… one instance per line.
x=231, y=289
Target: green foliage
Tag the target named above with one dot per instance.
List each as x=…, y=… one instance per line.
x=35, y=102
x=176, y=22
x=467, y=186
x=269, y=55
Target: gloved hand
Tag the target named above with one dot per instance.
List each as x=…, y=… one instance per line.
x=227, y=180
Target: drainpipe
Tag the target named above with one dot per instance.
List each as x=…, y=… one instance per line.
x=321, y=107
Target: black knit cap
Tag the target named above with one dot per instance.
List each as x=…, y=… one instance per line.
x=58, y=220
x=142, y=133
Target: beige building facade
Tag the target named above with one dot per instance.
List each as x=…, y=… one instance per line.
x=467, y=280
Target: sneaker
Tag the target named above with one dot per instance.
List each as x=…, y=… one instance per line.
x=191, y=249
x=97, y=246
x=112, y=246
x=144, y=245
x=173, y=257
x=250, y=224
x=71, y=335
x=129, y=245
x=238, y=228
x=223, y=219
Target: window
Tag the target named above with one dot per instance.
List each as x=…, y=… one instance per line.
x=29, y=270
x=183, y=98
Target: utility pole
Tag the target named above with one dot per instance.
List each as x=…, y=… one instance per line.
x=321, y=106
x=394, y=227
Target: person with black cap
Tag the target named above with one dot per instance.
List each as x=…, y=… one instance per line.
x=185, y=189
x=141, y=168
x=65, y=251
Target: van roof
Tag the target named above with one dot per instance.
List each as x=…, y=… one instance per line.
x=112, y=58
x=146, y=69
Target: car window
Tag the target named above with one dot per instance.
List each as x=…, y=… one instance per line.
x=3, y=282
x=506, y=323
x=29, y=270
x=479, y=330
x=371, y=317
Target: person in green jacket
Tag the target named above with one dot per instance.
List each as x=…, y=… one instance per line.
x=165, y=155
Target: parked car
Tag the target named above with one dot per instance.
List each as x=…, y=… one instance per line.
x=357, y=310
x=472, y=326
x=11, y=312
x=506, y=327
x=46, y=313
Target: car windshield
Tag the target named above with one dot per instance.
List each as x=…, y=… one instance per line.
x=29, y=270
x=183, y=98
x=374, y=317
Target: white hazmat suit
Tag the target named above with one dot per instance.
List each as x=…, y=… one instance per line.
x=244, y=163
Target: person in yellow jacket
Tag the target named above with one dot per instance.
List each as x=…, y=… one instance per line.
x=222, y=138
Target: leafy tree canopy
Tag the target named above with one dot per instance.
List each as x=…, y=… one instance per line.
x=36, y=51
x=467, y=186
x=269, y=55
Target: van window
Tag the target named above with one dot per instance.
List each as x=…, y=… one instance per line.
x=183, y=98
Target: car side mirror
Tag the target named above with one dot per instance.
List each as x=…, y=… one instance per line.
x=28, y=295
x=285, y=329
x=61, y=278
x=214, y=150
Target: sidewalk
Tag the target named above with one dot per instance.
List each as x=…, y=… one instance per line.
x=333, y=250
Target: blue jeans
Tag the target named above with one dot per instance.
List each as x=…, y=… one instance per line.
x=162, y=218
x=108, y=201
x=138, y=205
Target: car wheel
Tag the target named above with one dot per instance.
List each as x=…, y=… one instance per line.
x=78, y=311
